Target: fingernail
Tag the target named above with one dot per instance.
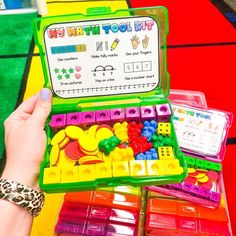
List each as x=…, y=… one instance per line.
x=45, y=94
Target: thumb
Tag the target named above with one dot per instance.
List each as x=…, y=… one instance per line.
x=42, y=107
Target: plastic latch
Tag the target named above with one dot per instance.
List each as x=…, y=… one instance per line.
x=98, y=10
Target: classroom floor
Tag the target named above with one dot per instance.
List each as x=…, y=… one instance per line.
x=201, y=56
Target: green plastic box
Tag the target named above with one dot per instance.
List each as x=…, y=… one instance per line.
x=105, y=60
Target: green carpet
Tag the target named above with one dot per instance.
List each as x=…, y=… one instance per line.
x=15, y=37
x=15, y=33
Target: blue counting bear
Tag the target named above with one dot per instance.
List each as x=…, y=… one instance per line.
x=149, y=129
x=148, y=155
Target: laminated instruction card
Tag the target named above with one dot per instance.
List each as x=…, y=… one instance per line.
x=103, y=57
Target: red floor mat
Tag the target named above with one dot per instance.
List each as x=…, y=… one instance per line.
x=229, y=170
x=193, y=22
x=207, y=69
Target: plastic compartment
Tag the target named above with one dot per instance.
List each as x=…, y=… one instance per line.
x=118, y=79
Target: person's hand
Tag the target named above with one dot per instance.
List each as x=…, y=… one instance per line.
x=25, y=138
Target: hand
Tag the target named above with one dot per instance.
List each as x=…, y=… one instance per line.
x=135, y=41
x=25, y=138
x=145, y=41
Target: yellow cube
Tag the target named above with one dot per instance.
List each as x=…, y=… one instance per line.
x=165, y=152
x=86, y=173
x=103, y=170
x=70, y=174
x=137, y=168
x=172, y=167
x=155, y=167
x=52, y=175
x=120, y=168
x=164, y=129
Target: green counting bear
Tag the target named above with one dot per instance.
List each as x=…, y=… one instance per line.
x=109, y=144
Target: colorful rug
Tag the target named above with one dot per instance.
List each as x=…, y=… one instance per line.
x=201, y=56
x=16, y=36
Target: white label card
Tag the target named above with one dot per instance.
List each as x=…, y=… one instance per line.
x=199, y=131
x=103, y=57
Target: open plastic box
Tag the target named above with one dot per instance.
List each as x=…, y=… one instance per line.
x=202, y=134
x=107, y=65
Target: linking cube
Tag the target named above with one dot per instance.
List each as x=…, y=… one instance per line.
x=73, y=118
x=165, y=152
x=58, y=121
x=117, y=115
x=164, y=129
x=191, y=162
x=148, y=113
x=132, y=114
x=102, y=116
x=88, y=118
x=103, y=170
x=120, y=168
x=69, y=174
x=172, y=167
x=215, y=197
x=200, y=164
x=137, y=168
x=163, y=112
x=86, y=173
x=52, y=175
x=155, y=167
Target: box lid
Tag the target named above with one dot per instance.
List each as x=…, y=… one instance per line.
x=104, y=57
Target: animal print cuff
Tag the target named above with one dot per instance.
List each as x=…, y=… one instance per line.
x=22, y=195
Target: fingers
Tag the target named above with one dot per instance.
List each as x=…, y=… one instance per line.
x=23, y=112
x=42, y=108
x=28, y=105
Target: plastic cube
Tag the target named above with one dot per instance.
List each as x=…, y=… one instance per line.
x=186, y=187
x=117, y=115
x=215, y=197
x=132, y=114
x=86, y=172
x=88, y=118
x=155, y=167
x=165, y=152
x=164, y=129
x=103, y=116
x=58, y=121
x=137, y=168
x=52, y=175
x=73, y=118
x=148, y=113
x=200, y=164
x=69, y=174
x=163, y=112
x=103, y=170
x=120, y=168
x=172, y=167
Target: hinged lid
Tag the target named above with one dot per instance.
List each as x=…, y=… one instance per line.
x=104, y=56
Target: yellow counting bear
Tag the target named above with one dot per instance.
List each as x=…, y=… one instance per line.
x=121, y=131
x=122, y=154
